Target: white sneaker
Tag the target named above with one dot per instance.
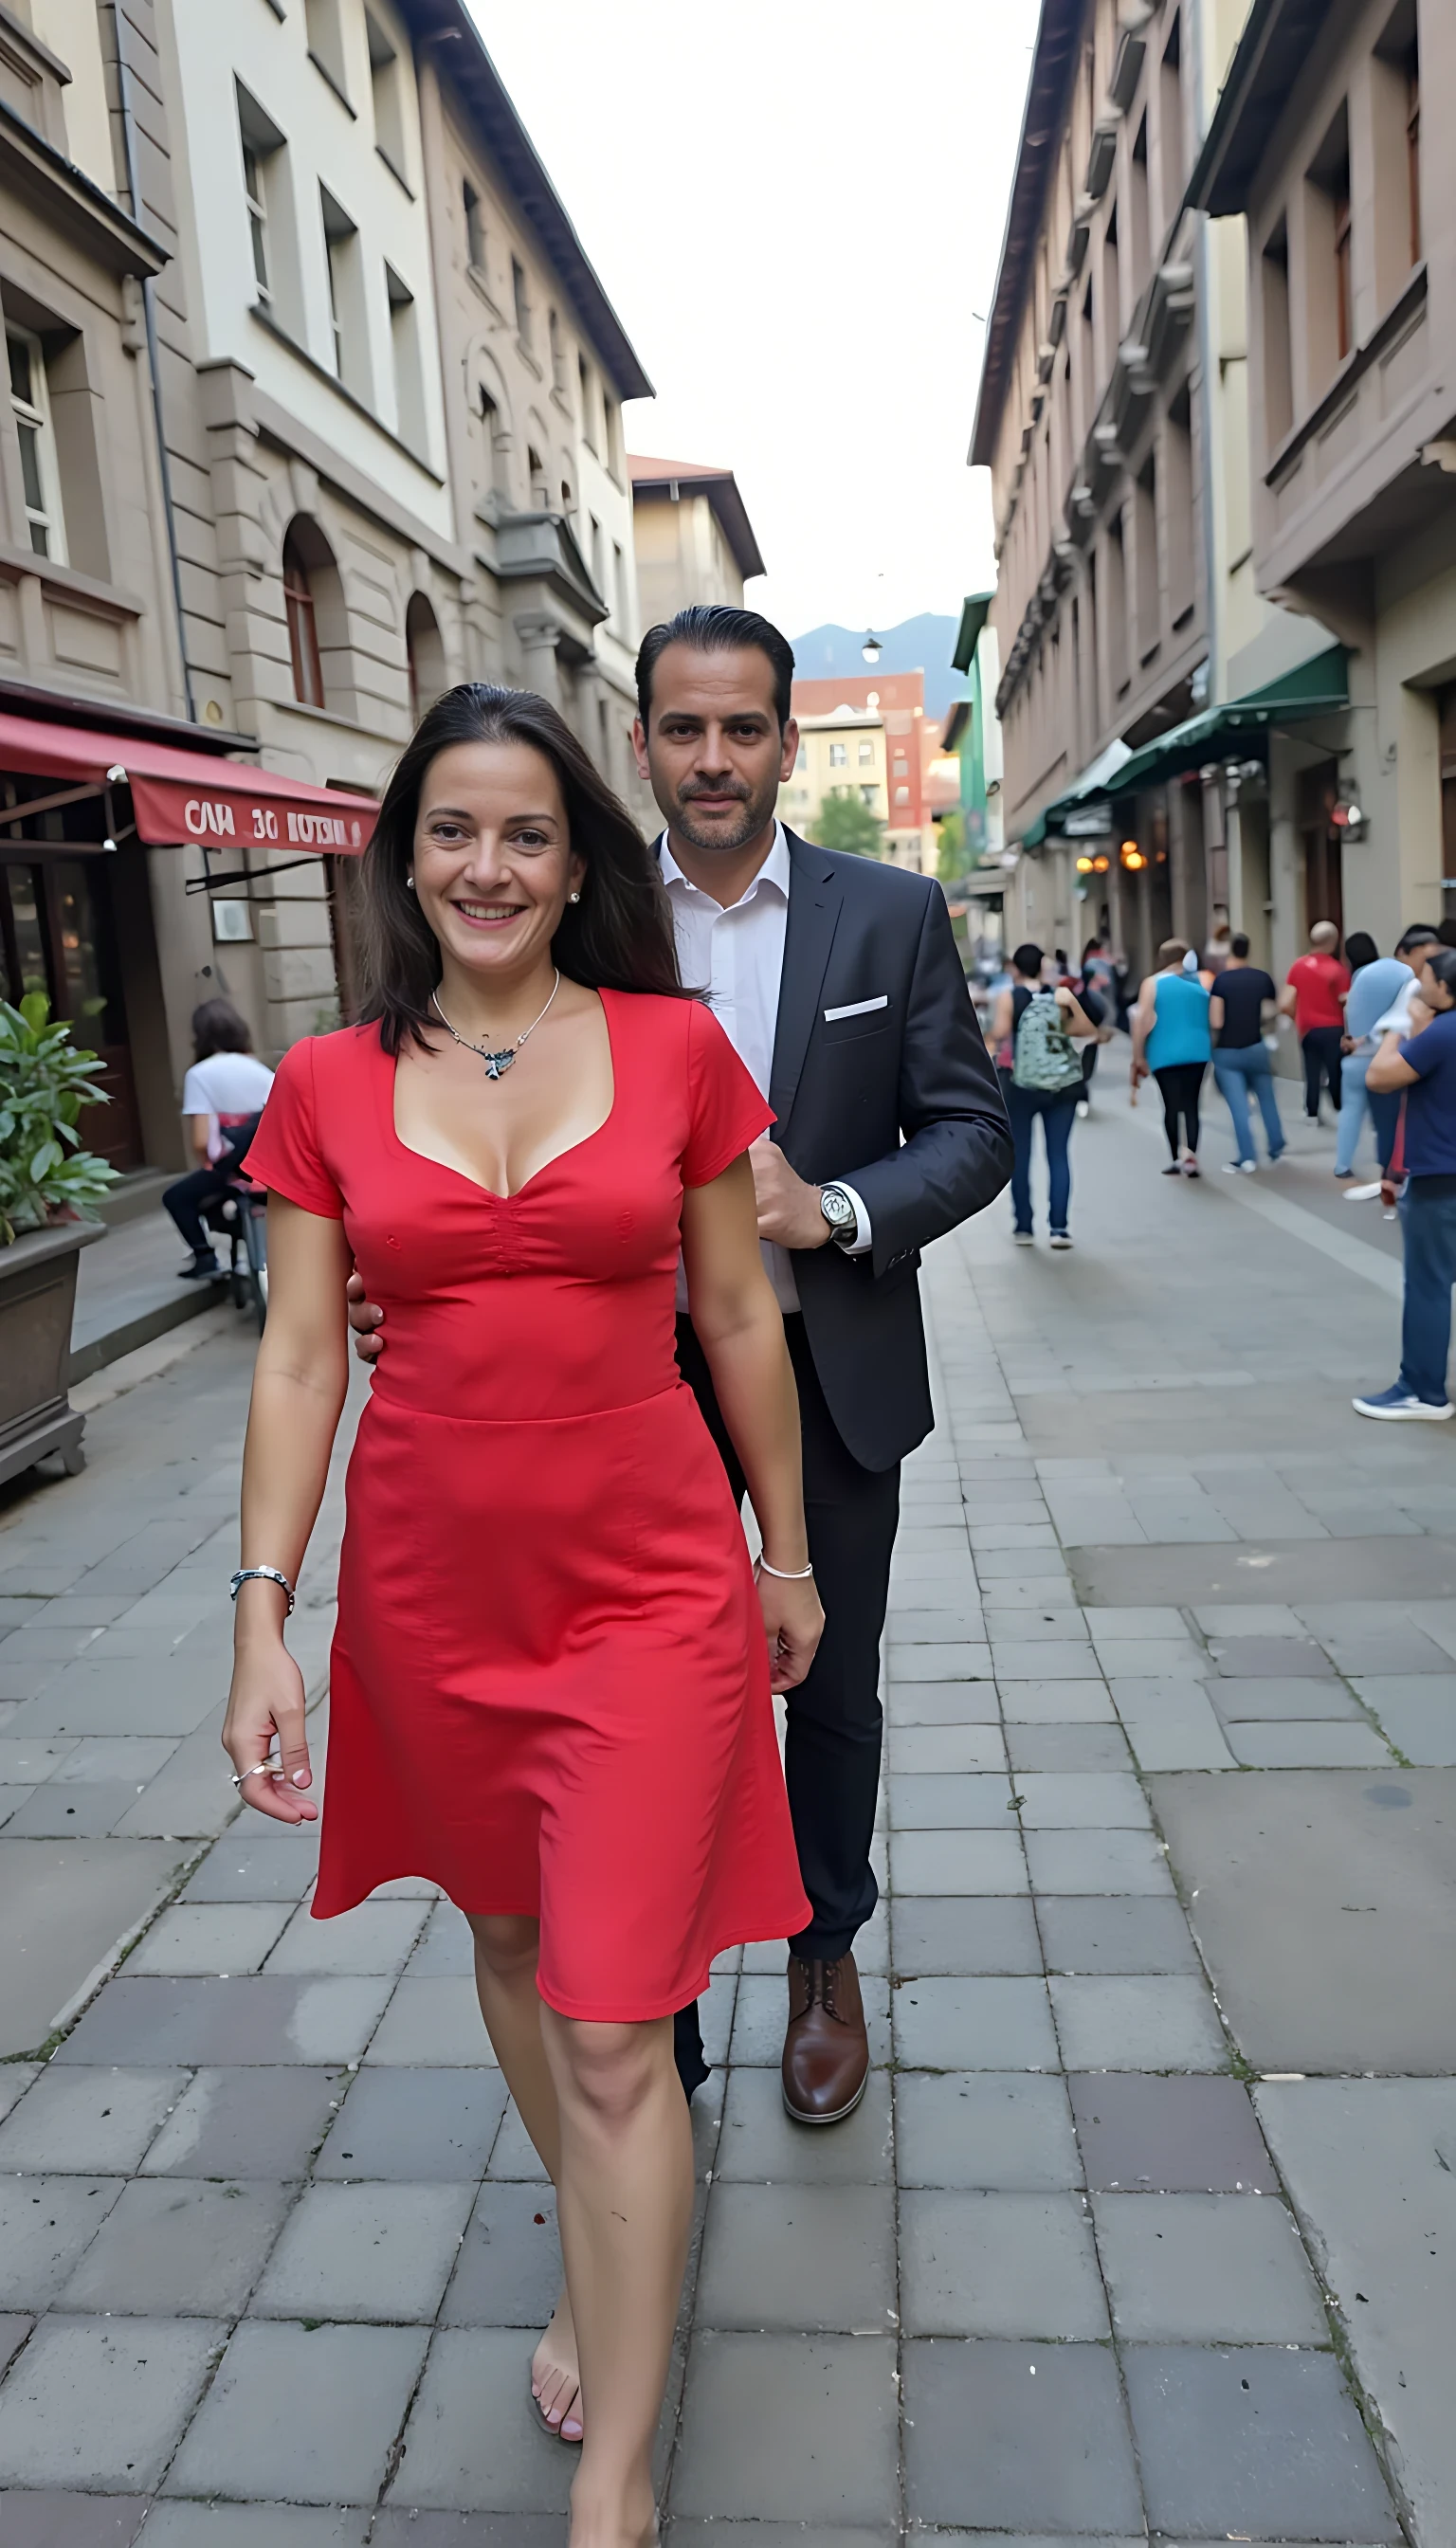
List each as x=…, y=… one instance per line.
x=1022, y=1238
x=1239, y=1168
x=1397, y=1406
x=1363, y=1194
x=1059, y=1238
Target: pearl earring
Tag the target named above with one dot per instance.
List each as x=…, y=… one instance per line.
x=573, y=897
x=409, y=884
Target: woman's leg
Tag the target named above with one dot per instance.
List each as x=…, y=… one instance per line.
x=1228, y=1072
x=1193, y=1073
x=505, y=1953
x=1057, y=1119
x=624, y=2199
x=1167, y=1080
x=1352, y=1102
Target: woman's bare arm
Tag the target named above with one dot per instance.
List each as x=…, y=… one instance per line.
x=739, y=1327
x=297, y=1396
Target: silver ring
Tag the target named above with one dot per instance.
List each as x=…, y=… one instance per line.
x=261, y=1768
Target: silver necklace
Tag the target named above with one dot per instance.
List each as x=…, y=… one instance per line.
x=496, y=1063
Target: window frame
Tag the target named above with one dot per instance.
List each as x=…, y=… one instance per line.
x=300, y=611
x=32, y=415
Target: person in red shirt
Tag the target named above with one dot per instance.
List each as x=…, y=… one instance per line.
x=1314, y=995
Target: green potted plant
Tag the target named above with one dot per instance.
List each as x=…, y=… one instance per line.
x=48, y=1188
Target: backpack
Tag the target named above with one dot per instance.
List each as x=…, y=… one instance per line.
x=1045, y=1057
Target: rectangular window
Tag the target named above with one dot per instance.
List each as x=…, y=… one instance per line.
x=1170, y=124
x=521, y=299
x=1140, y=239
x=1178, y=509
x=1329, y=293
x=1111, y=297
x=29, y=404
x=324, y=29
x=587, y=401
x=866, y=752
x=475, y=227
x=868, y=795
x=1412, y=152
x=1145, y=519
x=1395, y=160
x=386, y=93
x=619, y=586
x=594, y=543
x=839, y=756
x=409, y=377
x=558, y=358
x=267, y=192
x=611, y=430
x=1278, y=352
x=1117, y=607
x=348, y=324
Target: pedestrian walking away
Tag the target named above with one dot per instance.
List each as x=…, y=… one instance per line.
x=1096, y=994
x=1422, y=1063
x=1240, y=1005
x=839, y=982
x=1376, y=982
x=551, y=1675
x=1171, y=1039
x=1314, y=995
x=1033, y=1029
x=222, y=1096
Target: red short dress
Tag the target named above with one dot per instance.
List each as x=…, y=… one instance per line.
x=550, y=1686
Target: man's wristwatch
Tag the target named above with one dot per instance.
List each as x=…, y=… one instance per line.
x=839, y=1210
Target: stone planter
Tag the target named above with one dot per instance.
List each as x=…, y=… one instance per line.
x=37, y=1296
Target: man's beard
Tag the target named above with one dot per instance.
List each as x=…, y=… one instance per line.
x=758, y=812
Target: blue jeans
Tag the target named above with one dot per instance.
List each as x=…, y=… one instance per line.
x=1238, y=1068
x=1057, y=1109
x=1355, y=1100
x=1431, y=1270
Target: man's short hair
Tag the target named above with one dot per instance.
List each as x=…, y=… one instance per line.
x=1419, y=934
x=1238, y=945
x=715, y=628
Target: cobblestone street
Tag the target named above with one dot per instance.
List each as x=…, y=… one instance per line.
x=1147, y=2225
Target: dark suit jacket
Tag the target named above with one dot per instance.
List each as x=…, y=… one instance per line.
x=902, y=1101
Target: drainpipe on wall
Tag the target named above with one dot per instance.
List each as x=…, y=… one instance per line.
x=148, y=307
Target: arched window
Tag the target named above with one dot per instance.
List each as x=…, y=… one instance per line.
x=540, y=487
x=426, y=652
x=303, y=622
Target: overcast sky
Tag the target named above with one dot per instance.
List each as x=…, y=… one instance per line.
x=795, y=206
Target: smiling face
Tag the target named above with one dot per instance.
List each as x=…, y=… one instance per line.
x=493, y=860
x=713, y=753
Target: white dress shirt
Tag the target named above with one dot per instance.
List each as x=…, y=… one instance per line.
x=736, y=955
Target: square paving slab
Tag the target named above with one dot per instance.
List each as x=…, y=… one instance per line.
x=1006, y=2132
x=1207, y=2269
x=1255, y=2440
x=1169, y=2136
x=1326, y=1912
x=1033, y=2436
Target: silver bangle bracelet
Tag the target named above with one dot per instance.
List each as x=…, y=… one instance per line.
x=785, y=1574
x=261, y=1575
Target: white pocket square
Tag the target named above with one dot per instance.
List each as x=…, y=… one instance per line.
x=856, y=1009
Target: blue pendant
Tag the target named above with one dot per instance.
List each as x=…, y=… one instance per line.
x=498, y=1063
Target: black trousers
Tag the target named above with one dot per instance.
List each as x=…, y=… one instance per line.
x=1320, y=1049
x=187, y=1200
x=835, y=1724
x=1181, y=1084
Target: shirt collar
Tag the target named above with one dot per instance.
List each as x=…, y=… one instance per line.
x=773, y=872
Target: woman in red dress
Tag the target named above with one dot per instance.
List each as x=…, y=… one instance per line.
x=551, y=1677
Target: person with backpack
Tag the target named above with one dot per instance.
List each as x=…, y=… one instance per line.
x=1034, y=1031
x=1171, y=1039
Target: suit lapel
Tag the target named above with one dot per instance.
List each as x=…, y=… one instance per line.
x=814, y=900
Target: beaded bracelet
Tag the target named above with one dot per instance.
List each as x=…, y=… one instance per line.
x=261, y=1575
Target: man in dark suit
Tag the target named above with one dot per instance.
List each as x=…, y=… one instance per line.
x=839, y=982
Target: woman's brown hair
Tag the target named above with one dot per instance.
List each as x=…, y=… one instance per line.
x=618, y=938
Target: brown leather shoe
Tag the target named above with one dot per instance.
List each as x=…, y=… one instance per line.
x=825, y=2051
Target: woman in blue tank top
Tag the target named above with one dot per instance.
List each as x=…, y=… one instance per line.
x=1171, y=1039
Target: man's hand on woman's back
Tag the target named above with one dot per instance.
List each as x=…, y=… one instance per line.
x=366, y=1318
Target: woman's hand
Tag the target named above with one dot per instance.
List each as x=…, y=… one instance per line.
x=267, y=1698
x=1138, y=1072
x=794, y=1620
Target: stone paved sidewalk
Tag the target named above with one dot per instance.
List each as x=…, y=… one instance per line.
x=1146, y=2227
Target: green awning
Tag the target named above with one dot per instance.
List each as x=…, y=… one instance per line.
x=975, y=612
x=1316, y=688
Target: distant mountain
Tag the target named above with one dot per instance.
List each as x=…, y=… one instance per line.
x=923, y=643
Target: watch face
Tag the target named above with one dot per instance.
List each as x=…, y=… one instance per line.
x=837, y=1209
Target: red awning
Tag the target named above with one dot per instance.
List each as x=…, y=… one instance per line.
x=179, y=795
